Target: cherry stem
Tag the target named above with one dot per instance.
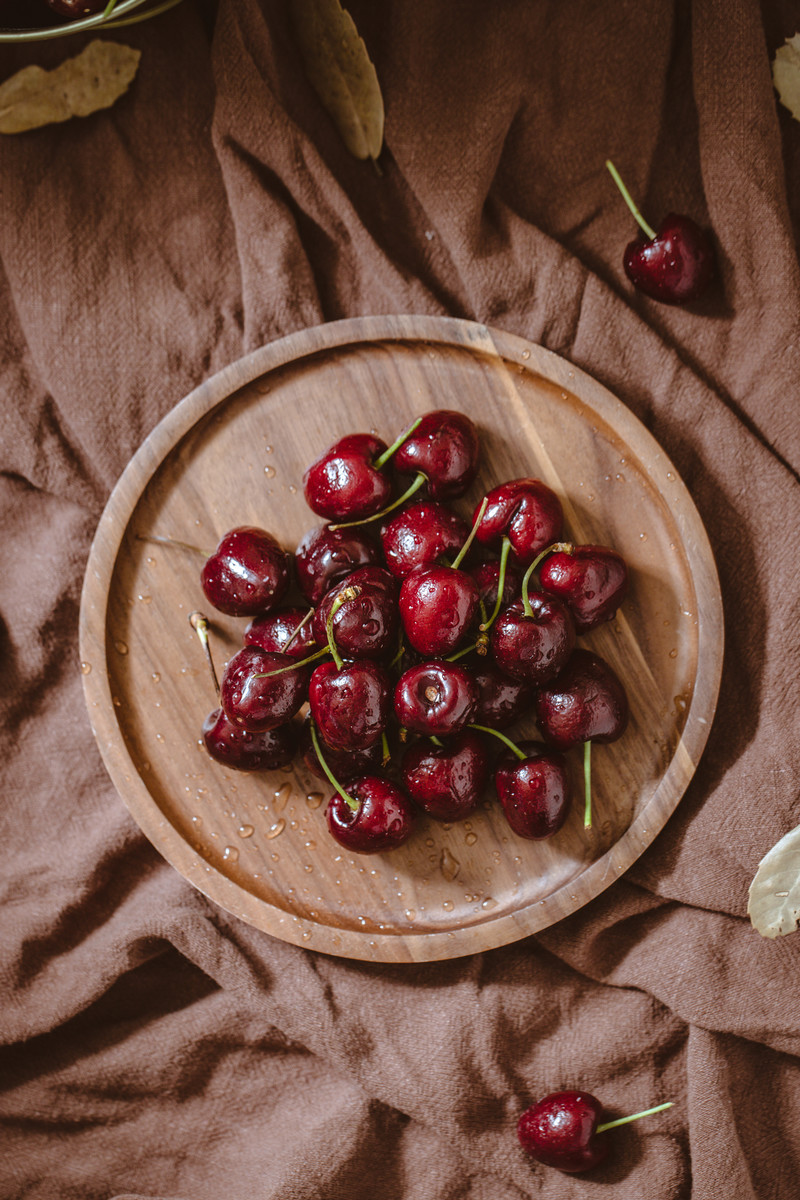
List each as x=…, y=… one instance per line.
x=407, y=494
x=501, y=583
x=199, y=624
x=295, y=632
x=626, y=196
x=587, y=784
x=167, y=541
x=383, y=458
x=471, y=537
x=386, y=752
x=301, y=662
x=109, y=8
x=556, y=547
x=436, y=741
x=648, y=1112
x=348, y=593
x=328, y=772
x=496, y=733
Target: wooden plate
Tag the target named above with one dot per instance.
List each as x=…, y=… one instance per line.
x=233, y=453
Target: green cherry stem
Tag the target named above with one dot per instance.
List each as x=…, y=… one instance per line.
x=383, y=458
x=168, y=541
x=501, y=583
x=496, y=733
x=109, y=8
x=587, y=784
x=301, y=662
x=199, y=624
x=556, y=547
x=328, y=772
x=295, y=632
x=386, y=753
x=459, y=558
x=348, y=593
x=436, y=741
x=407, y=494
x=648, y=1112
x=626, y=196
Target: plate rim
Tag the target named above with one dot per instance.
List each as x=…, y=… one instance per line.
x=371, y=944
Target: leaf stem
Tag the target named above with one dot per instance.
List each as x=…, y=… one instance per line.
x=383, y=458
x=555, y=547
x=459, y=558
x=199, y=624
x=587, y=785
x=295, y=632
x=328, y=772
x=301, y=662
x=648, y=1112
x=168, y=541
x=501, y=583
x=407, y=494
x=348, y=593
x=496, y=733
x=626, y=196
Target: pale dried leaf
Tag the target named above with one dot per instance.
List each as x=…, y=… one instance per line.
x=786, y=74
x=92, y=80
x=774, y=897
x=341, y=73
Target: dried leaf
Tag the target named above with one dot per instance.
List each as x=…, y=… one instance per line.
x=92, y=80
x=786, y=74
x=774, y=897
x=341, y=73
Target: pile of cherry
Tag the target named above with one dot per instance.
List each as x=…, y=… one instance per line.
x=420, y=644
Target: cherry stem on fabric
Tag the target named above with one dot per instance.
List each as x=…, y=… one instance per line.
x=648, y=1112
x=334, y=782
x=295, y=632
x=496, y=733
x=383, y=458
x=199, y=624
x=348, y=593
x=587, y=784
x=556, y=547
x=419, y=480
x=501, y=583
x=626, y=196
x=459, y=558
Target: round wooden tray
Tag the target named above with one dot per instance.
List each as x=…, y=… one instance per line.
x=233, y=453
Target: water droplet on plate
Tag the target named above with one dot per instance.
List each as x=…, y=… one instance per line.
x=526, y=354
x=145, y=599
x=276, y=829
x=314, y=799
x=121, y=647
x=282, y=795
x=156, y=678
x=269, y=471
x=86, y=668
x=489, y=902
x=230, y=854
x=246, y=831
x=673, y=653
x=471, y=839
x=448, y=905
x=449, y=865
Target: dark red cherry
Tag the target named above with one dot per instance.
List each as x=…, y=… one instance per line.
x=435, y=698
x=350, y=706
x=326, y=556
x=366, y=624
x=676, y=266
x=382, y=819
x=560, y=1131
x=444, y=447
x=534, y=791
x=527, y=512
x=255, y=699
x=420, y=535
x=586, y=702
x=273, y=631
x=533, y=647
x=437, y=607
x=247, y=574
x=501, y=700
x=447, y=781
x=73, y=9
x=246, y=751
x=344, y=484
x=487, y=577
x=345, y=764
x=591, y=580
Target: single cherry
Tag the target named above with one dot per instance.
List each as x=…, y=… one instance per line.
x=526, y=512
x=435, y=698
x=366, y=620
x=563, y=1130
x=444, y=448
x=344, y=483
x=501, y=700
x=591, y=580
x=243, y=750
x=260, y=690
x=490, y=576
x=350, y=703
x=284, y=631
x=420, y=535
x=447, y=779
x=247, y=574
x=674, y=264
x=326, y=556
x=533, y=789
x=532, y=639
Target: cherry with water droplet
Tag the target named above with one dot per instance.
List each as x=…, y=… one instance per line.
x=563, y=1130
x=247, y=574
x=447, y=780
x=435, y=698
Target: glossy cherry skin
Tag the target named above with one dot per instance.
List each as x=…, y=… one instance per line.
x=73, y=9
x=383, y=820
x=344, y=764
x=501, y=701
x=343, y=484
x=447, y=781
x=534, y=792
x=245, y=751
x=365, y=626
x=591, y=580
x=351, y=706
x=420, y=535
x=272, y=632
x=435, y=698
x=527, y=512
x=533, y=648
x=326, y=556
x=444, y=447
x=255, y=700
x=559, y=1131
x=676, y=266
x=437, y=607
x=487, y=577
x=247, y=574
x=586, y=702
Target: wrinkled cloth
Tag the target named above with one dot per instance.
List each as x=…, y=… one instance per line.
x=153, y=1046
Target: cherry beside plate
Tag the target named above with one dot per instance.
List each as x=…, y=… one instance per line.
x=233, y=453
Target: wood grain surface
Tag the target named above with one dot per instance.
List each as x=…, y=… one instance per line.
x=233, y=453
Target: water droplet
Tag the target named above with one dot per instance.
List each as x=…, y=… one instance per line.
x=269, y=471
x=151, y=561
x=670, y=475
x=282, y=795
x=86, y=668
x=160, y=737
x=145, y=766
x=673, y=653
x=276, y=829
x=230, y=854
x=246, y=831
x=121, y=647
x=268, y=449
x=563, y=395
x=145, y=599
x=411, y=914
x=620, y=477
x=526, y=354
x=471, y=839
x=116, y=702
x=314, y=799
x=449, y=865
x=308, y=867
x=489, y=902
x=448, y=905
x=197, y=820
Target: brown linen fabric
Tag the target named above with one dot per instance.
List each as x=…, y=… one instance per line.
x=152, y=1045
